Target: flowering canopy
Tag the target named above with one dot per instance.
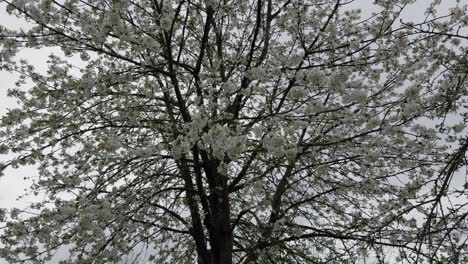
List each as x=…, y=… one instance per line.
x=239, y=131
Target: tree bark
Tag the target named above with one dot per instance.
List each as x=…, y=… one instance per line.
x=220, y=232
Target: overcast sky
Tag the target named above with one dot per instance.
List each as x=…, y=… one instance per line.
x=12, y=185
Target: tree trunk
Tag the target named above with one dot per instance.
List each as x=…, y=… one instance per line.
x=219, y=228
x=221, y=233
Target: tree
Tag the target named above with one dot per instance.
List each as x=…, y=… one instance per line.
x=239, y=131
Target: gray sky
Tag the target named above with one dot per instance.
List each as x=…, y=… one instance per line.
x=12, y=184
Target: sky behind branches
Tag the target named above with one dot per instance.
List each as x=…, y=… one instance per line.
x=13, y=184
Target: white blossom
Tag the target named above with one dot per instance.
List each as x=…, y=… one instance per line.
x=166, y=23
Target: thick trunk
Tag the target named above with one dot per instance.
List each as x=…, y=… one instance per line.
x=219, y=227
x=221, y=233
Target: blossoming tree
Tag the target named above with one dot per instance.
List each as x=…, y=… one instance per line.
x=239, y=131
